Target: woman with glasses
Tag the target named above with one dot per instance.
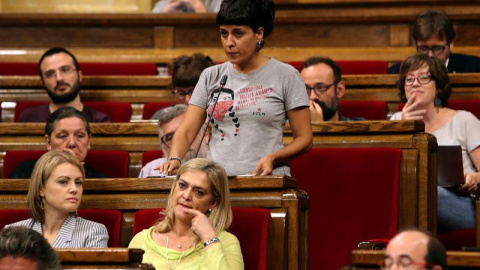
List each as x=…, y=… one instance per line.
x=425, y=88
x=247, y=100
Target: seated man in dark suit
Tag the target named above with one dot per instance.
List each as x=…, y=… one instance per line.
x=66, y=130
x=61, y=77
x=325, y=87
x=434, y=34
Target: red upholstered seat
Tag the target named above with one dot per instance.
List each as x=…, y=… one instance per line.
x=250, y=226
x=117, y=111
x=455, y=240
x=470, y=105
x=116, y=69
x=150, y=155
x=352, y=67
x=150, y=108
x=111, y=218
x=113, y=163
x=353, y=197
x=371, y=110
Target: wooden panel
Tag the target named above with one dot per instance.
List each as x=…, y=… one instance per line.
x=400, y=35
x=466, y=34
x=164, y=37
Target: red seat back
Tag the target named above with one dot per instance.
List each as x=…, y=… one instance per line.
x=250, y=226
x=371, y=110
x=353, y=196
x=150, y=108
x=113, y=163
x=457, y=239
x=114, y=69
x=150, y=155
x=117, y=111
x=353, y=67
x=111, y=218
x=469, y=105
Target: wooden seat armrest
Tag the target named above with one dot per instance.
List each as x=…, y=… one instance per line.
x=372, y=245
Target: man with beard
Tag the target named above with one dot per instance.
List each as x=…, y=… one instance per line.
x=61, y=76
x=323, y=80
x=168, y=123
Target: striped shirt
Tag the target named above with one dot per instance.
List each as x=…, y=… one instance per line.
x=75, y=232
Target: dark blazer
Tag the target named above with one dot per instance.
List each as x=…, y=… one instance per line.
x=458, y=63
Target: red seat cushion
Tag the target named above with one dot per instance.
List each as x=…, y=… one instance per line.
x=353, y=196
x=9, y=216
x=150, y=155
x=371, y=110
x=114, y=69
x=250, y=226
x=13, y=158
x=455, y=240
x=112, y=219
x=150, y=108
x=352, y=67
x=117, y=111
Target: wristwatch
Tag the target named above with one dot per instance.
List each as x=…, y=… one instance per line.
x=211, y=241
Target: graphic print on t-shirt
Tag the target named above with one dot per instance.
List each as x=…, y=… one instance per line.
x=246, y=97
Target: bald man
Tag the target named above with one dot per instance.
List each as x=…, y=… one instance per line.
x=417, y=250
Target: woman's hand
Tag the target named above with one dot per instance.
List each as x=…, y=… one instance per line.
x=410, y=111
x=169, y=168
x=471, y=182
x=201, y=226
x=264, y=166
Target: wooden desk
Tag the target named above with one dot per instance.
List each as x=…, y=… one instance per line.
x=105, y=258
x=368, y=259
x=288, y=230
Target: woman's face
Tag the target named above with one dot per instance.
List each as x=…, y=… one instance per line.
x=192, y=191
x=240, y=42
x=63, y=190
x=425, y=92
x=70, y=135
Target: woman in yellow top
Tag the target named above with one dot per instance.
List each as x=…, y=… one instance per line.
x=192, y=235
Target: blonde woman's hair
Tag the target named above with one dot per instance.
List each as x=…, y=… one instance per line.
x=221, y=216
x=41, y=172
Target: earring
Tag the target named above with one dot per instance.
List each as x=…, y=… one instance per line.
x=437, y=101
x=260, y=44
x=209, y=210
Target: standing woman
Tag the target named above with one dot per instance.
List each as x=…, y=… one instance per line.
x=192, y=235
x=54, y=196
x=424, y=86
x=251, y=109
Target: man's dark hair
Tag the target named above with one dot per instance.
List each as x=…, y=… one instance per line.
x=187, y=69
x=64, y=112
x=315, y=60
x=53, y=51
x=254, y=13
x=436, y=252
x=22, y=242
x=433, y=23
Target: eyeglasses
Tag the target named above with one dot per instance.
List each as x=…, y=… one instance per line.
x=167, y=138
x=423, y=78
x=319, y=88
x=63, y=70
x=436, y=49
x=403, y=262
x=182, y=93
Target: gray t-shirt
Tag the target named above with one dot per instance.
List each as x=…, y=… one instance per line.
x=212, y=6
x=250, y=114
x=464, y=130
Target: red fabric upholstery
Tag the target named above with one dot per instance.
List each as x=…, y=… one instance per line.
x=118, y=111
x=350, y=67
x=9, y=216
x=371, y=110
x=353, y=197
x=150, y=155
x=13, y=158
x=250, y=226
x=150, y=108
x=112, y=219
x=455, y=240
x=113, y=163
x=470, y=105
x=119, y=69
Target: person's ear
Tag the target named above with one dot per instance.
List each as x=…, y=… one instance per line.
x=41, y=193
x=450, y=46
x=80, y=76
x=437, y=267
x=340, y=89
x=47, y=143
x=259, y=33
x=213, y=205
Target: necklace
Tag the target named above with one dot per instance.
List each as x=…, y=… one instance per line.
x=181, y=256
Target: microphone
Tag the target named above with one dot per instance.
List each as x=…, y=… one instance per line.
x=223, y=81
